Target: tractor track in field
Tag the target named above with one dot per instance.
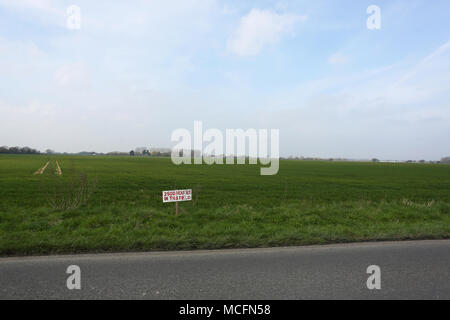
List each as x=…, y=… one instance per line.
x=42, y=170
x=58, y=169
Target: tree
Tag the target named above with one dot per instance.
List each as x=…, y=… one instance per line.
x=18, y=150
x=140, y=151
x=131, y=153
x=375, y=160
x=14, y=150
x=49, y=151
x=25, y=150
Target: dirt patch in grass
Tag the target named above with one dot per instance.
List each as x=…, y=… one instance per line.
x=58, y=169
x=42, y=170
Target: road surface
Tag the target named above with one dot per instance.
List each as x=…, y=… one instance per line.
x=409, y=270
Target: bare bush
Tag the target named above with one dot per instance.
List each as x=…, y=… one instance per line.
x=70, y=193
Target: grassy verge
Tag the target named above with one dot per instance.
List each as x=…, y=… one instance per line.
x=41, y=231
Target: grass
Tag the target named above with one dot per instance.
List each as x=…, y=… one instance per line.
x=306, y=203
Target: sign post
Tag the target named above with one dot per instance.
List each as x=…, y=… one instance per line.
x=177, y=196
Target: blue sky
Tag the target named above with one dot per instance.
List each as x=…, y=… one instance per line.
x=137, y=70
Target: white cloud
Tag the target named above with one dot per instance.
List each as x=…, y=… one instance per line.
x=18, y=54
x=338, y=59
x=46, y=11
x=44, y=5
x=411, y=84
x=372, y=113
x=31, y=108
x=438, y=52
x=260, y=28
x=433, y=58
x=72, y=74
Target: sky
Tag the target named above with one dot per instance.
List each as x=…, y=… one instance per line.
x=135, y=71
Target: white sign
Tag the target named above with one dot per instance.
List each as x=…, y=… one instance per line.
x=177, y=195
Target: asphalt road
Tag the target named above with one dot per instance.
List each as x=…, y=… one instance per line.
x=409, y=270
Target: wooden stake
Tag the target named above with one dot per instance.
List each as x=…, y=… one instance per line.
x=176, y=208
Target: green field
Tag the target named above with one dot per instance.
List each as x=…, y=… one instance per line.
x=308, y=202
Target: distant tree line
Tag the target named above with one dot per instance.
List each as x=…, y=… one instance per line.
x=165, y=152
x=143, y=151
x=18, y=150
